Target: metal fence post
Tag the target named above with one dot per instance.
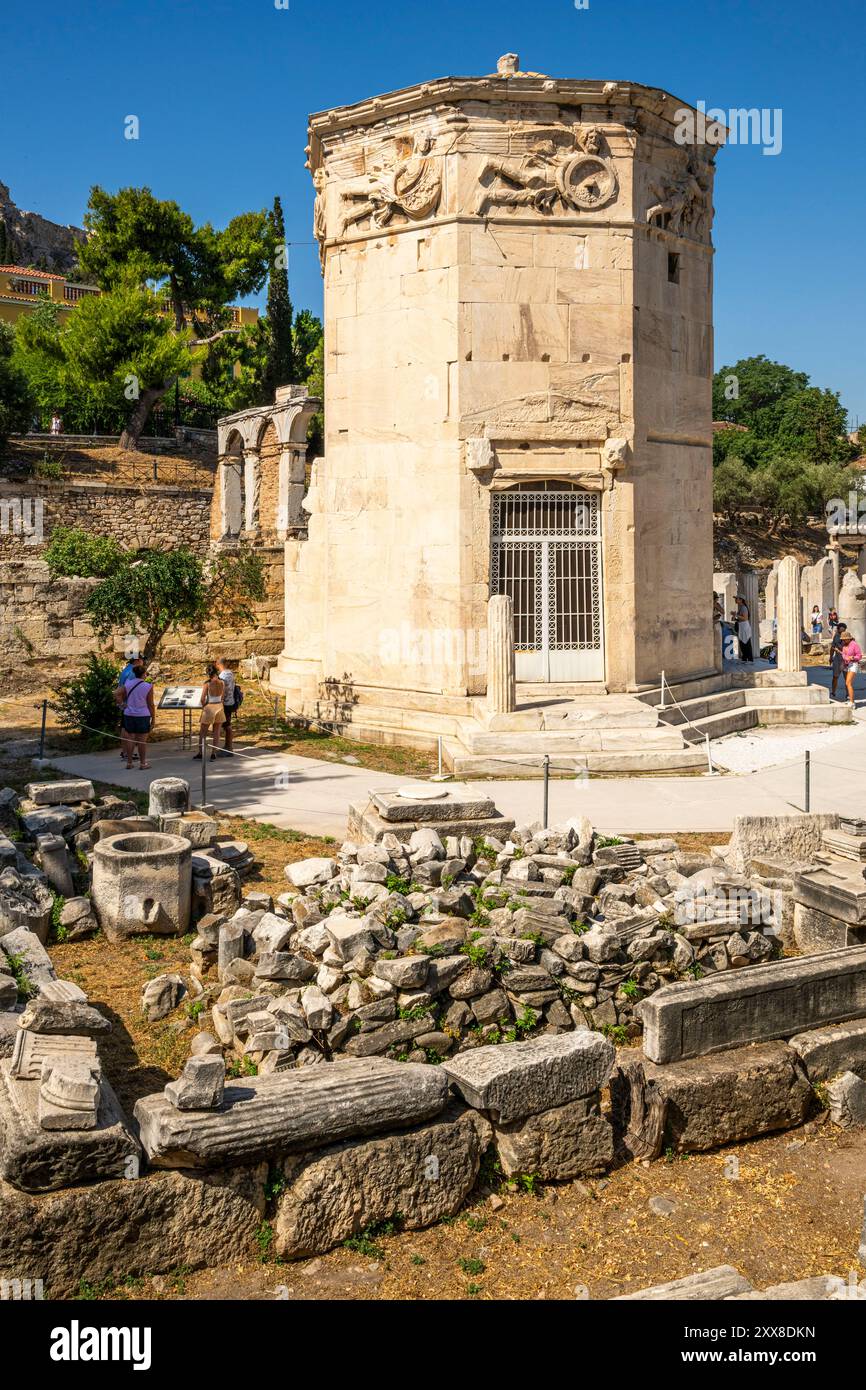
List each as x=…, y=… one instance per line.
x=42, y=730
x=546, y=788
x=808, y=772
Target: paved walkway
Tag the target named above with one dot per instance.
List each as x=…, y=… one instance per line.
x=313, y=796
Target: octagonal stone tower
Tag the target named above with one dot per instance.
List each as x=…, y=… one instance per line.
x=518, y=360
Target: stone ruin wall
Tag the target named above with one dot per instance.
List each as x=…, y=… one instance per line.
x=159, y=517
x=44, y=619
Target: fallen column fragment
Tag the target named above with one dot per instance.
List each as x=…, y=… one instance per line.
x=303, y=1109
x=710, y=1284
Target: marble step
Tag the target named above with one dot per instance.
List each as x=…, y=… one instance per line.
x=732, y=721
x=576, y=740
x=638, y=759
x=702, y=707
x=834, y=712
x=787, y=696
x=554, y=715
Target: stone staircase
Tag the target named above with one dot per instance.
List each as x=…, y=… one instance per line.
x=583, y=730
x=775, y=698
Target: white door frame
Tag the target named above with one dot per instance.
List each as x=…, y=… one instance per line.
x=528, y=527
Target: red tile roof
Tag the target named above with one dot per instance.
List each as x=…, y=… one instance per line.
x=24, y=272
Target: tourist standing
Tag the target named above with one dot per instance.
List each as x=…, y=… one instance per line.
x=851, y=658
x=817, y=624
x=840, y=636
x=227, y=676
x=212, y=714
x=127, y=674
x=135, y=696
x=744, y=629
x=832, y=619
x=56, y=423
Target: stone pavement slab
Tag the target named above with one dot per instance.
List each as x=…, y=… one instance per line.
x=314, y=796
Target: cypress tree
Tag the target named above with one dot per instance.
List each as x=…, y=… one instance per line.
x=279, y=363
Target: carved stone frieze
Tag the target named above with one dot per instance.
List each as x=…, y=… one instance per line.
x=681, y=201
x=580, y=180
x=412, y=189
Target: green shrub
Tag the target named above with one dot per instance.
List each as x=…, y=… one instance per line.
x=73, y=553
x=86, y=701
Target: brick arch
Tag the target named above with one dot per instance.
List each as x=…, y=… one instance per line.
x=270, y=449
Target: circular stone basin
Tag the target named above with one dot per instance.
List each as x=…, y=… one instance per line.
x=145, y=844
x=422, y=793
x=142, y=882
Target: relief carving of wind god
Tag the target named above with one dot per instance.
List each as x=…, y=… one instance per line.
x=412, y=188
x=682, y=203
x=581, y=180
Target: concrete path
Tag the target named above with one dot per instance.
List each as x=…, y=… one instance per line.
x=313, y=796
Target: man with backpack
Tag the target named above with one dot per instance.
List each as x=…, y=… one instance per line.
x=232, y=700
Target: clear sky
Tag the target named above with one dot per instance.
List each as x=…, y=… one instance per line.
x=222, y=89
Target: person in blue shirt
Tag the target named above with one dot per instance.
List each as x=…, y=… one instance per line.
x=128, y=674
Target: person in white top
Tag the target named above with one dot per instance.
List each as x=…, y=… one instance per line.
x=227, y=676
x=744, y=629
x=212, y=713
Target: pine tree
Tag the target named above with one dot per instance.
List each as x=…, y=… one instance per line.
x=279, y=364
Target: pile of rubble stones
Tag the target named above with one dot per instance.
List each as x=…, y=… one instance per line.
x=418, y=950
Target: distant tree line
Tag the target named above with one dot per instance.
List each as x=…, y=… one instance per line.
x=124, y=359
x=787, y=452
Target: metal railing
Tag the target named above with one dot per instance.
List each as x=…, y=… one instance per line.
x=661, y=707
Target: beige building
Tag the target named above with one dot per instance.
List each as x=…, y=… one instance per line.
x=518, y=360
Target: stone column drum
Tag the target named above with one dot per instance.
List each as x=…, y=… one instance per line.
x=501, y=692
x=169, y=796
x=852, y=606
x=142, y=885
x=788, y=615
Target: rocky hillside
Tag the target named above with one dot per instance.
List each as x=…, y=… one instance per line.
x=28, y=239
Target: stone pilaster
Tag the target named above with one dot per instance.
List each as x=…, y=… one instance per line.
x=290, y=514
x=252, y=489
x=501, y=692
x=833, y=552
x=788, y=619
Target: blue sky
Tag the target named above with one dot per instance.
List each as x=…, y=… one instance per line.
x=223, y=88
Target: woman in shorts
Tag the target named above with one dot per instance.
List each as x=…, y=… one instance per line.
x=135, y=695
x=851, y=658
x=212, y=713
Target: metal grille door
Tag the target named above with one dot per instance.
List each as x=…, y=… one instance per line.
x=547, y=556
